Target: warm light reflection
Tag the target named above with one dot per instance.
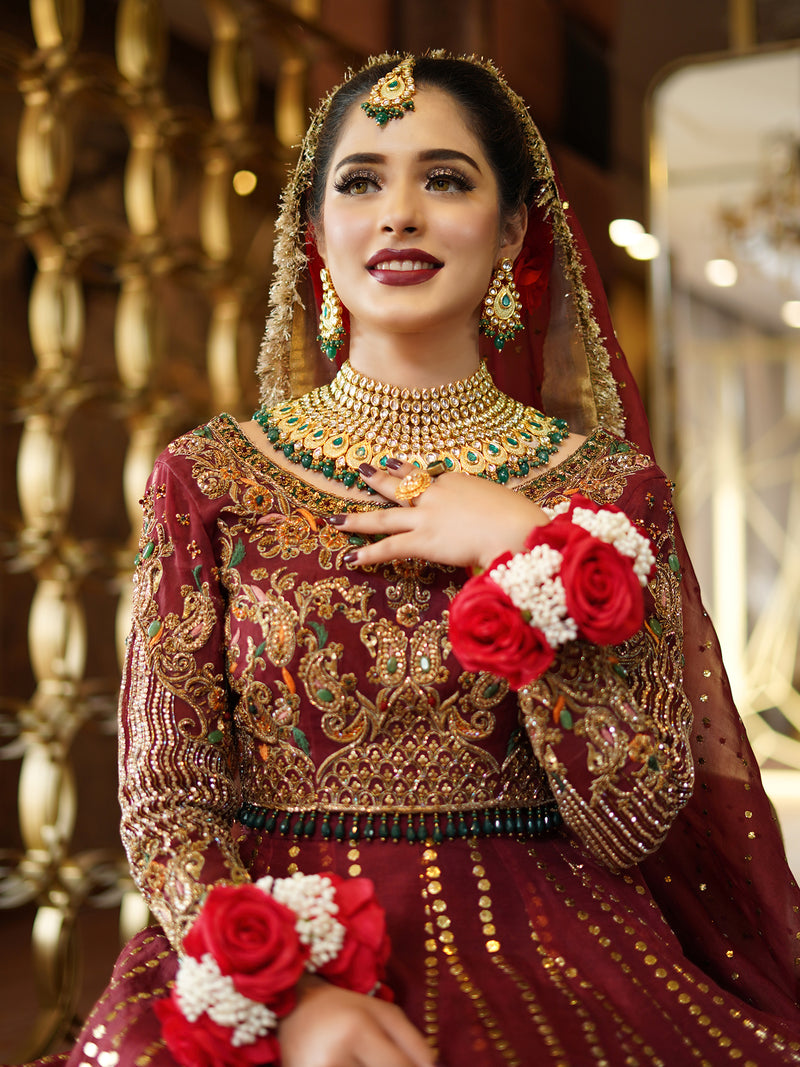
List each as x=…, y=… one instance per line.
x=721, y=272
x=644, y=247
x=244, y=182
x=790, y=313
x=624, y=232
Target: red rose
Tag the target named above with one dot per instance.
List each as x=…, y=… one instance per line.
x=557, y=534
x=253, y=939
x=488, y=633
x=361, y=962
x=604, y=596
x=205, y=1043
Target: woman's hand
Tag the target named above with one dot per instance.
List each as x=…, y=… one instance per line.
x=332, y=1027
x=459, y=520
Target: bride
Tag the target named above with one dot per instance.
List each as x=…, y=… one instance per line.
x=547, y=840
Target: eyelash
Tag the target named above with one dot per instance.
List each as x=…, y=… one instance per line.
x=345, y=183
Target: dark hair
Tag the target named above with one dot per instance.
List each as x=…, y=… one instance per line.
x=488, y=112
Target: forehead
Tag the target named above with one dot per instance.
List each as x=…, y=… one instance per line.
x=437, y=121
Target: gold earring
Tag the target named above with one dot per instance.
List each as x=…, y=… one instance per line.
x=500, y=319
x=331, y=329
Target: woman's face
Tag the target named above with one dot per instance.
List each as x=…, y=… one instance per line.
x=411, y=227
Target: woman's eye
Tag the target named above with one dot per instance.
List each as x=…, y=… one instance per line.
x=448, y=183
x=355, y=184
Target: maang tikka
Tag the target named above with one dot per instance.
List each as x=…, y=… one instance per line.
x=331, y=328
x=501, y=320
x=393, y=95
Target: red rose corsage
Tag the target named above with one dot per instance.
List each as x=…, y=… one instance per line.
x=244, y=954
x=582, y=575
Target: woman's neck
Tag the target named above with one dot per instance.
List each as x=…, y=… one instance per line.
x=415, y=360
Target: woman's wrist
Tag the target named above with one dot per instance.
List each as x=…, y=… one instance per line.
x=580, y=575
x=254, y=949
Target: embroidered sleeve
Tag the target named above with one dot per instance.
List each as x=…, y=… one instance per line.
x=611, y=726
x=177, y=776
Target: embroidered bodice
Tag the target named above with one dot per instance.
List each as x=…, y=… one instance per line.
x=266, y=675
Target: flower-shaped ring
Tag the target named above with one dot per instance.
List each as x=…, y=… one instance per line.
x=412, y=486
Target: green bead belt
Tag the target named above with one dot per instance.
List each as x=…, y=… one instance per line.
x=413, y=827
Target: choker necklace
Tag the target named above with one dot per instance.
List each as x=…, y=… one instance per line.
x=469, y=425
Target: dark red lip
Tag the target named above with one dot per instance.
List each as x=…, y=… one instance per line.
x=385, y=255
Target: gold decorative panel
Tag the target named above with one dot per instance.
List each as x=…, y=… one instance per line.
x=145, y=275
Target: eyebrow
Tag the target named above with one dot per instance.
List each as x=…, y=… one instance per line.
x=428, y=155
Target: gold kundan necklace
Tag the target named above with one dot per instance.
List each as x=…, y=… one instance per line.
x=469, y=425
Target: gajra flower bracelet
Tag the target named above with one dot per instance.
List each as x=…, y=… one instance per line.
x=581, y=576
x=243, y=956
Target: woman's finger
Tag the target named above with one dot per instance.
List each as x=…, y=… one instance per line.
x=404, y=1034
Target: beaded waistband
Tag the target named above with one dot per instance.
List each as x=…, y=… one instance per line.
x=397, y=826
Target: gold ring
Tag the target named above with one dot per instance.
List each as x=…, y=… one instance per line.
x=436, y=468
x=412, y=486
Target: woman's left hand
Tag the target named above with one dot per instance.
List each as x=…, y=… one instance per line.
x=460, y=520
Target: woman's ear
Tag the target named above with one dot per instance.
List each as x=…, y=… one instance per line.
x=512, y=232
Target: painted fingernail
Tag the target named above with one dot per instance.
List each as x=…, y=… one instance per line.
x=337, y=520
x=394, y=464
x=366, y=470
x=350, y=557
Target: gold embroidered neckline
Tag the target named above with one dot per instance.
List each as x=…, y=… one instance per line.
x=470, y=425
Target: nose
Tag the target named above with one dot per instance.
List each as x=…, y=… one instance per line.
x=401, y=210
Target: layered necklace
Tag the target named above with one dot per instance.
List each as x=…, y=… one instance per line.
x=469, y=425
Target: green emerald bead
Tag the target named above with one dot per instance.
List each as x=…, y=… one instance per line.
x=338, y=833
x=284, y=826
x=294, y=419
x=309, y=827
x=450, y=829
x=655, y=626
x=502, y=474
x=422, y=832
x=512, y=441
x=288, y=449
x=411, y=834
x=330, y=351
x=337, y=441
x=449, y=463
x=391, y=664
x=491, y=690
x=357, y=540
x=471, y=457
x=493, y=449
x=499, y=343
x=137, y=559
x=154, y=627
x=273, y=435
x=325, y=695
x=369, y=830
x=524, y=467
x=298, y=827
x=652, y=763
x=475, y=826
x=438, y=836
x=355, y=834
x=505, y=300
x=325, y=831
x=674, y=563
x=149, y=549
x=269, y=823
x=328, y=467
x=349, y=479
x=395, y=832
x=306, y=459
